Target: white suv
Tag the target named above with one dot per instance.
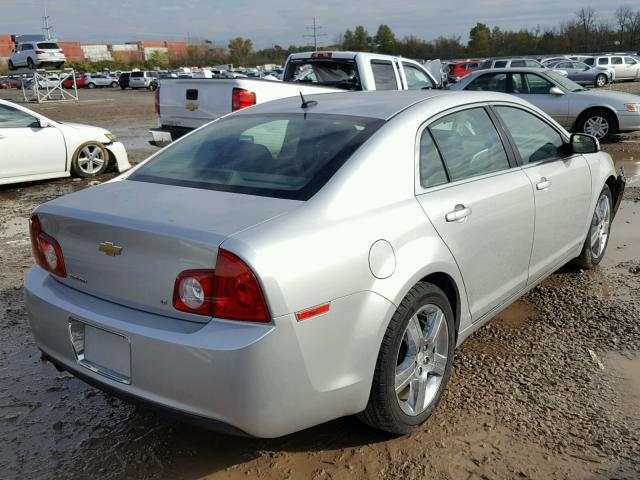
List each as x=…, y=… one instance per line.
x=37, y=54
x=141, y=79
x=624, y=67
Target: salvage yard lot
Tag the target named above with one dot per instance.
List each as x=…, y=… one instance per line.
x=548, y=389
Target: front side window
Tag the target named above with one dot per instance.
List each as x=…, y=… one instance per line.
x=494, y=82
x=27, y=46
x=384, y=75
x=416, y=78
x=532, y=64
x=500, y=64
x=517, y=63
x=535, y=139
x=616, y=60
x=432, y=172
x=469, y=144
x=629, y=61
x=275, y=155
x=530, y=83
x=589, y=61
x=13, y=118
x=564, y=65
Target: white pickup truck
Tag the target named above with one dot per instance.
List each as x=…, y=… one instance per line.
x=185, y=104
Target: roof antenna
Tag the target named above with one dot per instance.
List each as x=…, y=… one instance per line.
x=305, y=103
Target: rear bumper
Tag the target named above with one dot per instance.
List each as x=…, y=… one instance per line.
x=265, y=380
x=164, y=135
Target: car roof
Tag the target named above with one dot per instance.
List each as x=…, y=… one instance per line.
x=511, y=70
x=373, y=104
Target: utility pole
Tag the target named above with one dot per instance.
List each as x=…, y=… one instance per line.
x=47, y=28
x=315, y=34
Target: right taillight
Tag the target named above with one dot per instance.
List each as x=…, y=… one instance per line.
x=46, y=250
x=231, y=291
x=241, y=98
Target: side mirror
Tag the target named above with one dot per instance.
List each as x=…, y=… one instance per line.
x=555, y=91
x=43, y=123
x=583, y=143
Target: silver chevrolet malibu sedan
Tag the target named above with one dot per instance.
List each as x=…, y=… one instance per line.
x=307, y=259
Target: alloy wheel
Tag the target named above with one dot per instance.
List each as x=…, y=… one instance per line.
x=597, y=126
x=91, y=159
x=601, y=81
x=600, y=226
x=422, y=360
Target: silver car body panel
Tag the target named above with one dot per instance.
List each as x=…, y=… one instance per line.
x=360, y=243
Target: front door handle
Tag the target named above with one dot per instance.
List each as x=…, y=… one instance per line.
x=459, y=213
x=543, y=184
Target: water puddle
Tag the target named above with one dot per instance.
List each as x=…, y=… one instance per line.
x=631, y=164
x=516, y=315
x=624, y=243
x=624, y=368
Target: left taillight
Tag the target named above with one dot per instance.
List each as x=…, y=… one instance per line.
x=46, y=249
x=241, y=98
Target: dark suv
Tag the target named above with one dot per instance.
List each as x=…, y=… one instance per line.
x=123, y=81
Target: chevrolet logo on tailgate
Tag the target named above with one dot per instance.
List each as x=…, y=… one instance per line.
x=110, y=249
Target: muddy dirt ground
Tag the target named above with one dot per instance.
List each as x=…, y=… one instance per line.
x=527, y=399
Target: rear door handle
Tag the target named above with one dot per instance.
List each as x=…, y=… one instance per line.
x=459, y=213
x=543, y=184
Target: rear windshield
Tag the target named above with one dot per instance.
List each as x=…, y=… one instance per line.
x=331, y=73
x=285, y=156
x=137, y=74
x=48, y=46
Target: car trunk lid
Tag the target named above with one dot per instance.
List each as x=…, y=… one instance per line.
x=127, y=241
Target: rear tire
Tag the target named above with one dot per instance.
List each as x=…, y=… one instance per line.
x=599, y=123
x=114, y=84
x=91, y=85
x=30, y=64
x=595, y=245
x=601, y=80
x=416, y=356
x=89, y=160
x=10, y=65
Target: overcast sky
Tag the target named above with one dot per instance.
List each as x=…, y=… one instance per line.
x=269, y=22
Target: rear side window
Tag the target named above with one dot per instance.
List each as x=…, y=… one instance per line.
x=616, y=60
x=535, y=139
x=285, y=156
x=48, y=46
x=432, y=170
x=384, y=75
x=517, y=63
x=589, y=61
x=500, y=64
x=469, y=144
x=532, y=64
x=494, y=82
x=603, y=61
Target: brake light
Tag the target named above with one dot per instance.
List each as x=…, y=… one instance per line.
x=46, y=250
x=40, y=52
x=236, y=291
x=60, y=51
x=241, y=98
x=231, y=291
x=321, y=55
x=156, y=101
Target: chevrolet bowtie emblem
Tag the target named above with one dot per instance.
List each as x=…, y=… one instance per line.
x=110, y=249
x=191, y=106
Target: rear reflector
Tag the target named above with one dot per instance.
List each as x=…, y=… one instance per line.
x=312, y=312
x=241, y=98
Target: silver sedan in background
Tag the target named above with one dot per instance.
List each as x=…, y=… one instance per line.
x=583, y=74
x=306, y=259
x=601, y=113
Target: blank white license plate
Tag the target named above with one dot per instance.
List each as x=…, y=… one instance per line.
x=103, y=352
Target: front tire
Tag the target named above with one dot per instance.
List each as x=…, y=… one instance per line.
x=89, y=160
x=601, y=80
x=595, y=245
x=599, y=123
x=91, y=85
x=114, y=84
x=414, y=362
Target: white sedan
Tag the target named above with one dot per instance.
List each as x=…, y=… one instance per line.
x=33, y=147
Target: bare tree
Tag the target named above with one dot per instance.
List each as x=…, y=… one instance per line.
x=586, y=21
x=623, y=16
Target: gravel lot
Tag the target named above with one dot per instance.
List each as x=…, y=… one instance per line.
x=527, y=399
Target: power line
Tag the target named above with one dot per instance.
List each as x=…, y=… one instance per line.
x=315, y=33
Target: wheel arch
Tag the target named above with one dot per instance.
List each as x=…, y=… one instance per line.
x=448, y=285
x=593, y=108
